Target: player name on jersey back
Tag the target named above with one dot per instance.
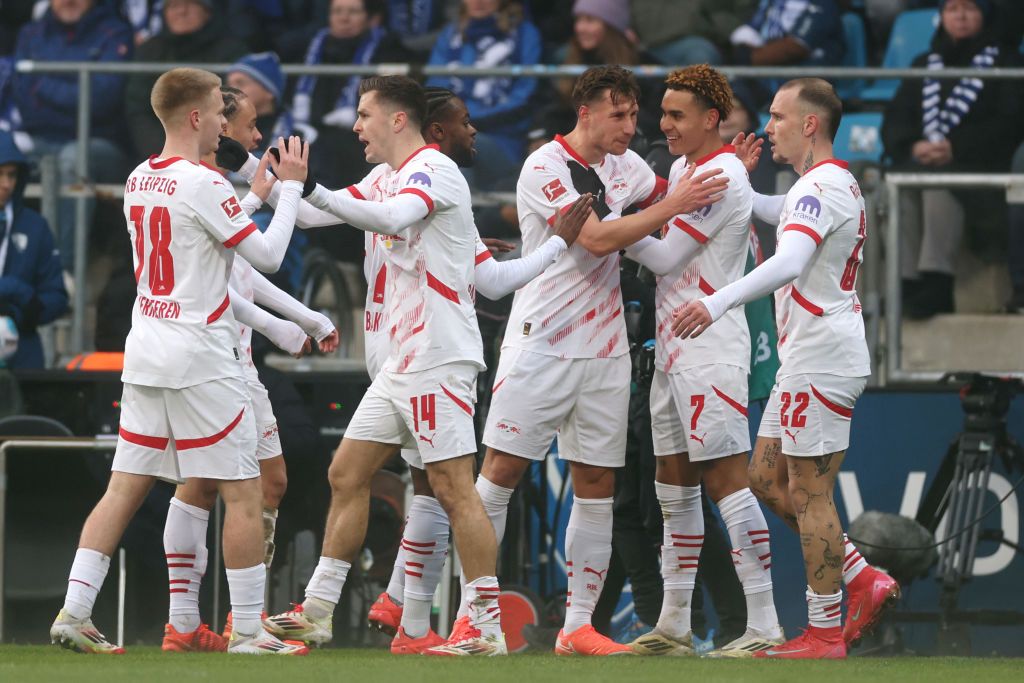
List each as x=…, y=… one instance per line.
x=821, y=328
x=182, y=220
x=723, y=229
x=574, y=308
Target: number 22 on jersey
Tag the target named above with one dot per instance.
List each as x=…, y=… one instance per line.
x=161, y=261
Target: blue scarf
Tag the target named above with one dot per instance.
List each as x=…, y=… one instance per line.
x=344, y=112
x=411, y=17
x=942, y=117
x=492, y=47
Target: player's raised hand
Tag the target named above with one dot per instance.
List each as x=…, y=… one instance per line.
x=748, y=149
x=291, y=160
x=694, y=192
x=263, y=182
x=231, y=154
x=496, y=246
x=692, y=320
x=329, y=344
x=568, y=225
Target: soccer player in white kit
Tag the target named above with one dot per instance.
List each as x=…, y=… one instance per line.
x=189, y=511
x=403, y=610
x=184, y=389
x=423, y=396
x=565, y=365
x=824, y=360
x=699, y=388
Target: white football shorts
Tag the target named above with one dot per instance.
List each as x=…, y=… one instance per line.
x=584, y=400
x=702, y=410
x=268, y=440
x=207, y=430
x=430, y=411
x=811, y=413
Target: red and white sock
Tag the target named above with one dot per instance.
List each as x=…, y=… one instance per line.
x=824, y=611
x=185, y=552
x=680, y=552
x=752, y=557
x=247, y=587
x=588, y=550
x=84, y=582
x=324, y=588
x=495, y=500
x=481, y=598
x=425, y=545
x=853, y=564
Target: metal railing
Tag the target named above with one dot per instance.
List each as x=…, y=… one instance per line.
x=84, y=69
x=894, y=183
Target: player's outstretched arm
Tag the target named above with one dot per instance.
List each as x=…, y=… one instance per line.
x=265, y=251
x=284, y=334
x=794, y=252
x=260, y=179
x=768, y=207
x=496, y=279
x=389, y=217
x=314, y=324
x=690, y=193
x=664, y=255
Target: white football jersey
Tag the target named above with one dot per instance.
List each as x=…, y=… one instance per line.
x=183, y=220
x=574, y=308
x=821, y=329
x=723, y=228
x=428, y=278
x=242, y=281
x=375, y=316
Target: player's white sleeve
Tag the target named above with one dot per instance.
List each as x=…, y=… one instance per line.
x=251, y=203
x=664, y=255
x=284, y=334
x=308, y=216
x=768, y=207
x=389, y=217
x=496, y=279
x=792, y=255
x=265, y=251
x=316, y=325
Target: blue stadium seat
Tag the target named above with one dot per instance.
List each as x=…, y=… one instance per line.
x=911, y=34
x=859, y=137
x=856, y=55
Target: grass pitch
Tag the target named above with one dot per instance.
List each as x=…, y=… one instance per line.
x=150, y=665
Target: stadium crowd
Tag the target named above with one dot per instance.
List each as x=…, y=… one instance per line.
x=514, y=116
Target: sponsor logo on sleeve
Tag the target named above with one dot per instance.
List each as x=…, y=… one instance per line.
x=554, y=190
x=231, y=207
x=420, y=178
x=808, y=209
x=699, y=215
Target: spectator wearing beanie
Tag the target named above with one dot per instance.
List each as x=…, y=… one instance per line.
x=191, y=33
x=260, y=77
x=491, y=33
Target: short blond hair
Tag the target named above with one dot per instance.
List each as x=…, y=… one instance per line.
x=179, y=88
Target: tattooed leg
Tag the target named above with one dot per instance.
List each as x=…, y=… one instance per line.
x=811, y=484
x=769, y=479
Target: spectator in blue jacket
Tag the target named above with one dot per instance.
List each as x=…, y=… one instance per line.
x=74, y=31
x=31, y=283
x=491, y=33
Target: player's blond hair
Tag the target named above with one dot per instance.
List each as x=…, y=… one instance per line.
x=179, y=88
x=709, y=86
x=819, y=95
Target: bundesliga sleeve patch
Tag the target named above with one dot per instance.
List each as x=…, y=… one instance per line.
x=807, y=209
x=231, y=207
x=554, y=190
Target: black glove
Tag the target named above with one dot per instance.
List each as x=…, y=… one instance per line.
x=584, y=180
x=230, y=154
x=310, y=184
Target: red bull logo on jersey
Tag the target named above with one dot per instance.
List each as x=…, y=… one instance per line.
x=152, y=308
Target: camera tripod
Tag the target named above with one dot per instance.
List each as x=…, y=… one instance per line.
x=959, y=493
